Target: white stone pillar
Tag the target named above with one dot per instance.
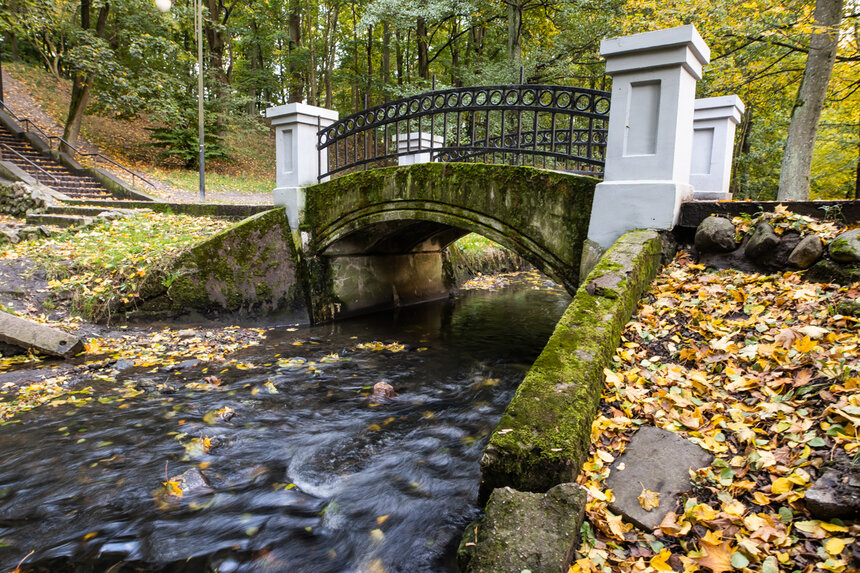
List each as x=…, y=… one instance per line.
x=298, y=161
x=647, y=174
x=714, y=122
x=413, y=143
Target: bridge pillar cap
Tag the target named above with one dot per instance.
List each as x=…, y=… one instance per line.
x=301, y=113
x=722, y=107
x=661, y=48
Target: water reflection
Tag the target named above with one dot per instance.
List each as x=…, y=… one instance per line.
x=304, y=473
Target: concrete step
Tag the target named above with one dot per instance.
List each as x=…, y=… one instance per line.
x=77, y=211
x=58, y=220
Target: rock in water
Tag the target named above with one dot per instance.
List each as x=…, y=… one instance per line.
x=846, y=247
x=807, y=251
x=523, y=531
x=715, y=234
x=383, y=391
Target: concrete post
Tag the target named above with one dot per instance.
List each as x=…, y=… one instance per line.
x=298, y=161
x=413, y=143
x=647, y=174
x=714, y=122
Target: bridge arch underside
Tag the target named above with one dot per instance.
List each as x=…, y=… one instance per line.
x=381, y=242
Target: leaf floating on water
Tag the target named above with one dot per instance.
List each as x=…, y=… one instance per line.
x=270, y=387
x=377, y=535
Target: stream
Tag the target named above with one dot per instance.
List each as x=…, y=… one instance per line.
x=289, y=463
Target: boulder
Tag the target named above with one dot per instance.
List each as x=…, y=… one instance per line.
x=825, y=271
x=715, y=234
x=807, y=252
x=836, y=493
x=762, y=242
x=787, y=243
x=846, y=247
x=849, y=307
x=523, y=531
x=658, y=461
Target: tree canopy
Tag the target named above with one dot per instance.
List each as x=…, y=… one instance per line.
x=348, y=54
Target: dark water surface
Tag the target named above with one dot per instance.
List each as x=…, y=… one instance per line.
x=309, y=475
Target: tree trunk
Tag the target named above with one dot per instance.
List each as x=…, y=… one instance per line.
x=398, y=57
x=423, y=59
x=312, y=67
x=368, y=95
x=216, y=39
x=386, y=58
x=12, y=42
x=331, y=47
x=81, y=82
x=797, y=159
x=515, y=23
x=294, y=25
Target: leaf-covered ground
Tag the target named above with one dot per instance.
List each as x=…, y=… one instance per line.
x=103, y=264
x=763, y=372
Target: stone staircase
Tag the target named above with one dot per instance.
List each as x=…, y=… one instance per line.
x=47, y=170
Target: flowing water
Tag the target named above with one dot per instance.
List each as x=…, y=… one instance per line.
x=290, y=464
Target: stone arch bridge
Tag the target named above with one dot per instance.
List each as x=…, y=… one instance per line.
x=376, y=239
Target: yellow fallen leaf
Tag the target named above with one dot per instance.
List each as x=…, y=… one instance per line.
x=781, y=485
x=648, y=499
x=834, y=546
x=658, y=562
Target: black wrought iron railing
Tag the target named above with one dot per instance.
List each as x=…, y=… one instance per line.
x=552, y=127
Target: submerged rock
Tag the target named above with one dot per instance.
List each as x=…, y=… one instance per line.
x=383, y=391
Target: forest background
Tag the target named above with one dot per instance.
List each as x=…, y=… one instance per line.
x=127, y=60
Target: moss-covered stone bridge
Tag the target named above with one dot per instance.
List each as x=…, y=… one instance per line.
x=377, y=238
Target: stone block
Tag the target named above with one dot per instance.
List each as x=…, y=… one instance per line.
x=30, y=335
x=521, y=531
x=657, y=460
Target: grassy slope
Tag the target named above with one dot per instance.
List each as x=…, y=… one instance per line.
x=249, y=169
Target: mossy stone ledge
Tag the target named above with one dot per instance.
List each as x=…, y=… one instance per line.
x=543, y=436
x=251, y=268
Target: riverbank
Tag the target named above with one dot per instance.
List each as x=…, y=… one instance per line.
x=762, y=372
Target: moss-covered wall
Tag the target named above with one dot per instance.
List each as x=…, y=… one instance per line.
x=251, y=268
x=541, y=215
x=543, y=436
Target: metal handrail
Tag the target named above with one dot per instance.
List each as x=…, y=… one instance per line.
x=50, y=138
x=523, y=124
x=28, y=161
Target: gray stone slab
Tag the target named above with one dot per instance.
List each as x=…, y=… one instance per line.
x=657, y=460
x=31, y=335
x=522, y=531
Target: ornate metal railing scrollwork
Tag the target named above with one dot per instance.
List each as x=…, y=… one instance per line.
x=552, y=127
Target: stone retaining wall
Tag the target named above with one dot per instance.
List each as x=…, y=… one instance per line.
x=543, y=437
x=17, y=199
